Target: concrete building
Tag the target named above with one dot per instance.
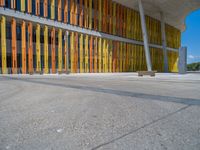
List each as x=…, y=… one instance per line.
x=50, y=36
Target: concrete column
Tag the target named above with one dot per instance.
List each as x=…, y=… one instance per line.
x=164, y=43
x=182, y=65
x=145, y=36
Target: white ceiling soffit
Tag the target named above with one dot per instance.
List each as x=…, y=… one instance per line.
x=175, y=11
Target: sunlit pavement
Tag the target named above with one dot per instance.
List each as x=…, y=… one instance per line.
x=100, y=111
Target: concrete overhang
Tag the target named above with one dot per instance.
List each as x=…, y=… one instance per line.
x=175, y=11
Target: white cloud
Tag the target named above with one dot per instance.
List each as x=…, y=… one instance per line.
x=193, y=57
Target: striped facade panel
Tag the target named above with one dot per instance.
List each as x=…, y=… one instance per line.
x=44, y=49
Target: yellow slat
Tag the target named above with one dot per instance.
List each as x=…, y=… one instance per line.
x=60, y=66
x=3, y=45
x=46, y=50
x=86, y=54
x=81, y=54
x=100, y=55
x=38, y=50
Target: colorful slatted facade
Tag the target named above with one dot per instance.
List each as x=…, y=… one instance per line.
x=34, y=48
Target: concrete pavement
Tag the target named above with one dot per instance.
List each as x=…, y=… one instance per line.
x=100, y=111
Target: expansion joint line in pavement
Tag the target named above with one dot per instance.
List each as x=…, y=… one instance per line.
x=142, y=127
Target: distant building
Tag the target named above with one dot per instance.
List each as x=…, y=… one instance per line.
x=50, y=36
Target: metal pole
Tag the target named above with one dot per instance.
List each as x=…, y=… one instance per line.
x=145, y=36
x=164, y=43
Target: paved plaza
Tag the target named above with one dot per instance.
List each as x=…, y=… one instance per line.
x=100, y=111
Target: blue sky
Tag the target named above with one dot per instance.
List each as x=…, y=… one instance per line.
x=191, y=36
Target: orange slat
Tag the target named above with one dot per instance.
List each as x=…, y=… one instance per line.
x=121, y=20
x=71, y=11
x=29, y=6
x=114, y=56
x=95, y=14
x=117, y=17
x=37, y=7
x=2, y=2
x=45, y=7
x=30, y=48
x=59, y=10
x=81, y=13
x=53, y=51
x=110, y=16
x=23, y=32
x=65, y=11
x=14, y=47
x=86, y=15
x=95, y=55
x=75, y=13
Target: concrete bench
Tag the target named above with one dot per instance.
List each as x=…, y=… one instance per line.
x=147, y=73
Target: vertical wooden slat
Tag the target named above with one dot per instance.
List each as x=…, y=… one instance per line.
x=86, y=16
x=2, y=2
x=114, y=18
x=46, y=51
x=107, y=17
x=37, y=7
x=86, y=54
x=121, y=57
x=95, y=54
x=13, y=4
x=45, y=8
x=100, y=15
x=66, y=52
x=124, y=22
x=23, y=34
x=124, y=57
x=110, y=17
x=114, y=56
x=29, y=6
x=76, y=53
x=76, y=12
x=91, y=54
x=53, y=51
x=110, y=55
x=100, y=55
x=60, y=67
x=65, y=11
x=90, y=14
x=14, y=47
x=30, y=48
x=72, y=12
x=117, y=16
x=81, y=54
x=121, y=21
x=104, y=55
x=72, y=52
x=81, y=13
x=52, y=9
x=38, y=49
x=59, y=10
x=104, y=15
x=95, y=14
x=22, y=5
x=117, y=56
